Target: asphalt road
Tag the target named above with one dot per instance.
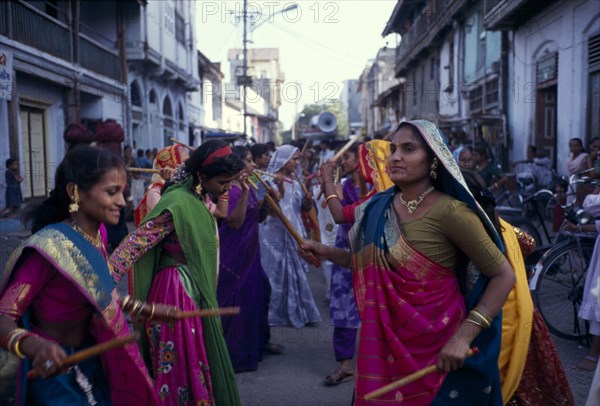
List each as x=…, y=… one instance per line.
x=296, y=376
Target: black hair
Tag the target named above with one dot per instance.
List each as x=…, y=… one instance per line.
x=10, y=161
x=484, y=197
x=84, y=166
x=481, y=150
x=241, y=151
x=227, y=165
x=533, y=148
x=259, y=150
x=140, y=153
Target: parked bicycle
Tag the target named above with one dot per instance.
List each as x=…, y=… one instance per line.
x=559, y=275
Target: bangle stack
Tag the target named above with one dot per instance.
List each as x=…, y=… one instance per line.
x=478, y=318
x=14, y=340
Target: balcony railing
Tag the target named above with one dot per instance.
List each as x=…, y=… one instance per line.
x=98, y=59
x=32, y=27
x=434, y=17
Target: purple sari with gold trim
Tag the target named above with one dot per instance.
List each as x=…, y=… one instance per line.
x=86, y=268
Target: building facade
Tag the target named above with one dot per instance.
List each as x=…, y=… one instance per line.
x=553, y=90
x=61, y=63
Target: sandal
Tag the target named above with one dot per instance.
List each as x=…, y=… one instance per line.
x=341, y=374
x=271, y=348
x=588, y=363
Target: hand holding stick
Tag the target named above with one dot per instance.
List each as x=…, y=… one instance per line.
x=283, y=218
x=339, y=154
x=409, y=378
x=92, y=351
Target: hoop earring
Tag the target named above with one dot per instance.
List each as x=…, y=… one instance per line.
x=433, y=172
x=74, y=206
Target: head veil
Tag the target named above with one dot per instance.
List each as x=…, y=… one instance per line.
x=372, y=162
x=450, y=180
x=281, y=156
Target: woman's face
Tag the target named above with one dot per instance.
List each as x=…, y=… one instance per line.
x=249, y=163
x=465, y=160
x=575, y=147
x=408, y=162
x=291, y=165
x=103, y=202
x=263, y=160
x=217, y=185
x=595, y=148
x=349, y=162
x=477, y=158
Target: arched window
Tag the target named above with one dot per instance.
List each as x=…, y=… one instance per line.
x=134, y=89
x=152, y=96
x=167, y=107
x=180, y=116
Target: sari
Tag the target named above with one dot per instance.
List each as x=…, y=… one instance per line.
x=190, y=355
x=85, y=269
x=410, y=306
x=292, y=302
x=241, y=283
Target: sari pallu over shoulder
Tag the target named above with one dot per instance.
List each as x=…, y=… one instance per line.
x=196, y=230
x=84, y=266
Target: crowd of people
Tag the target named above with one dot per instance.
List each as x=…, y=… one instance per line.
x=419, y=269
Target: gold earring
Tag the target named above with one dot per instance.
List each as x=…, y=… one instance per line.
x=74, y=206
x=433, y=172
x=199, y=188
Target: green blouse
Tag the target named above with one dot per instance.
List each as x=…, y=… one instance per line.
x=450, y=224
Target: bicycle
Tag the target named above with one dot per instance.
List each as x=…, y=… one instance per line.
x=559, y=276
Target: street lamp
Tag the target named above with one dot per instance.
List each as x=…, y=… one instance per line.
x=244, y=79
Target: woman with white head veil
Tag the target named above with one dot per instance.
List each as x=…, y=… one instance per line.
x=292, y=301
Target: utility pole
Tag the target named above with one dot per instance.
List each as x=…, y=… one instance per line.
x=245, y=77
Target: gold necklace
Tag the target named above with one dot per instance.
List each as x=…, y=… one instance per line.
x=412, y=205
x=95, y=241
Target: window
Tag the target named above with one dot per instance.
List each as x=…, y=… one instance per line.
x=134, y=89
x=179, y=28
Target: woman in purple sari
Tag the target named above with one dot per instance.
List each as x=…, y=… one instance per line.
x=58, y=294
x=241, y=276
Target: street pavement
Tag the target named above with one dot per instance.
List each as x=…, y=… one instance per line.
x=296, y=376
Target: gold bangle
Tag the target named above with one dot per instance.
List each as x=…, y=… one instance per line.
x=151, y=313
x=487, y=318
x=14, y=336
x=331, y=197
x=468, y=320
x=16, y=349
x=478, y=317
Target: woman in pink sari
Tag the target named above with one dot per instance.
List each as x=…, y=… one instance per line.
x=418, y=304
x=58, y=295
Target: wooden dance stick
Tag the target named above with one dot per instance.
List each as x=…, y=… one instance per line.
x=265, y=184
x=409, y=378
x=92, y=351
x=339, y=154
x=174, y=140
x=142, y=170
x=288, y=180
x=219, y=311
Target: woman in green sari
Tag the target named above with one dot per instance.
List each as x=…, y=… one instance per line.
x=175, y=254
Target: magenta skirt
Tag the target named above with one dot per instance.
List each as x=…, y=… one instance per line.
x=177, y=349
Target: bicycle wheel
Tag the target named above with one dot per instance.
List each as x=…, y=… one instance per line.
x=559, y=289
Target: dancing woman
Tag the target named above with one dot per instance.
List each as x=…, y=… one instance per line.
x=175, y=253
x=292, y=301
x=59, y=297
x=242, y=280
x=418, y=305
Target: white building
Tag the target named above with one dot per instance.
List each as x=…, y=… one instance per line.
x=163, y=67
x=554, y=83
